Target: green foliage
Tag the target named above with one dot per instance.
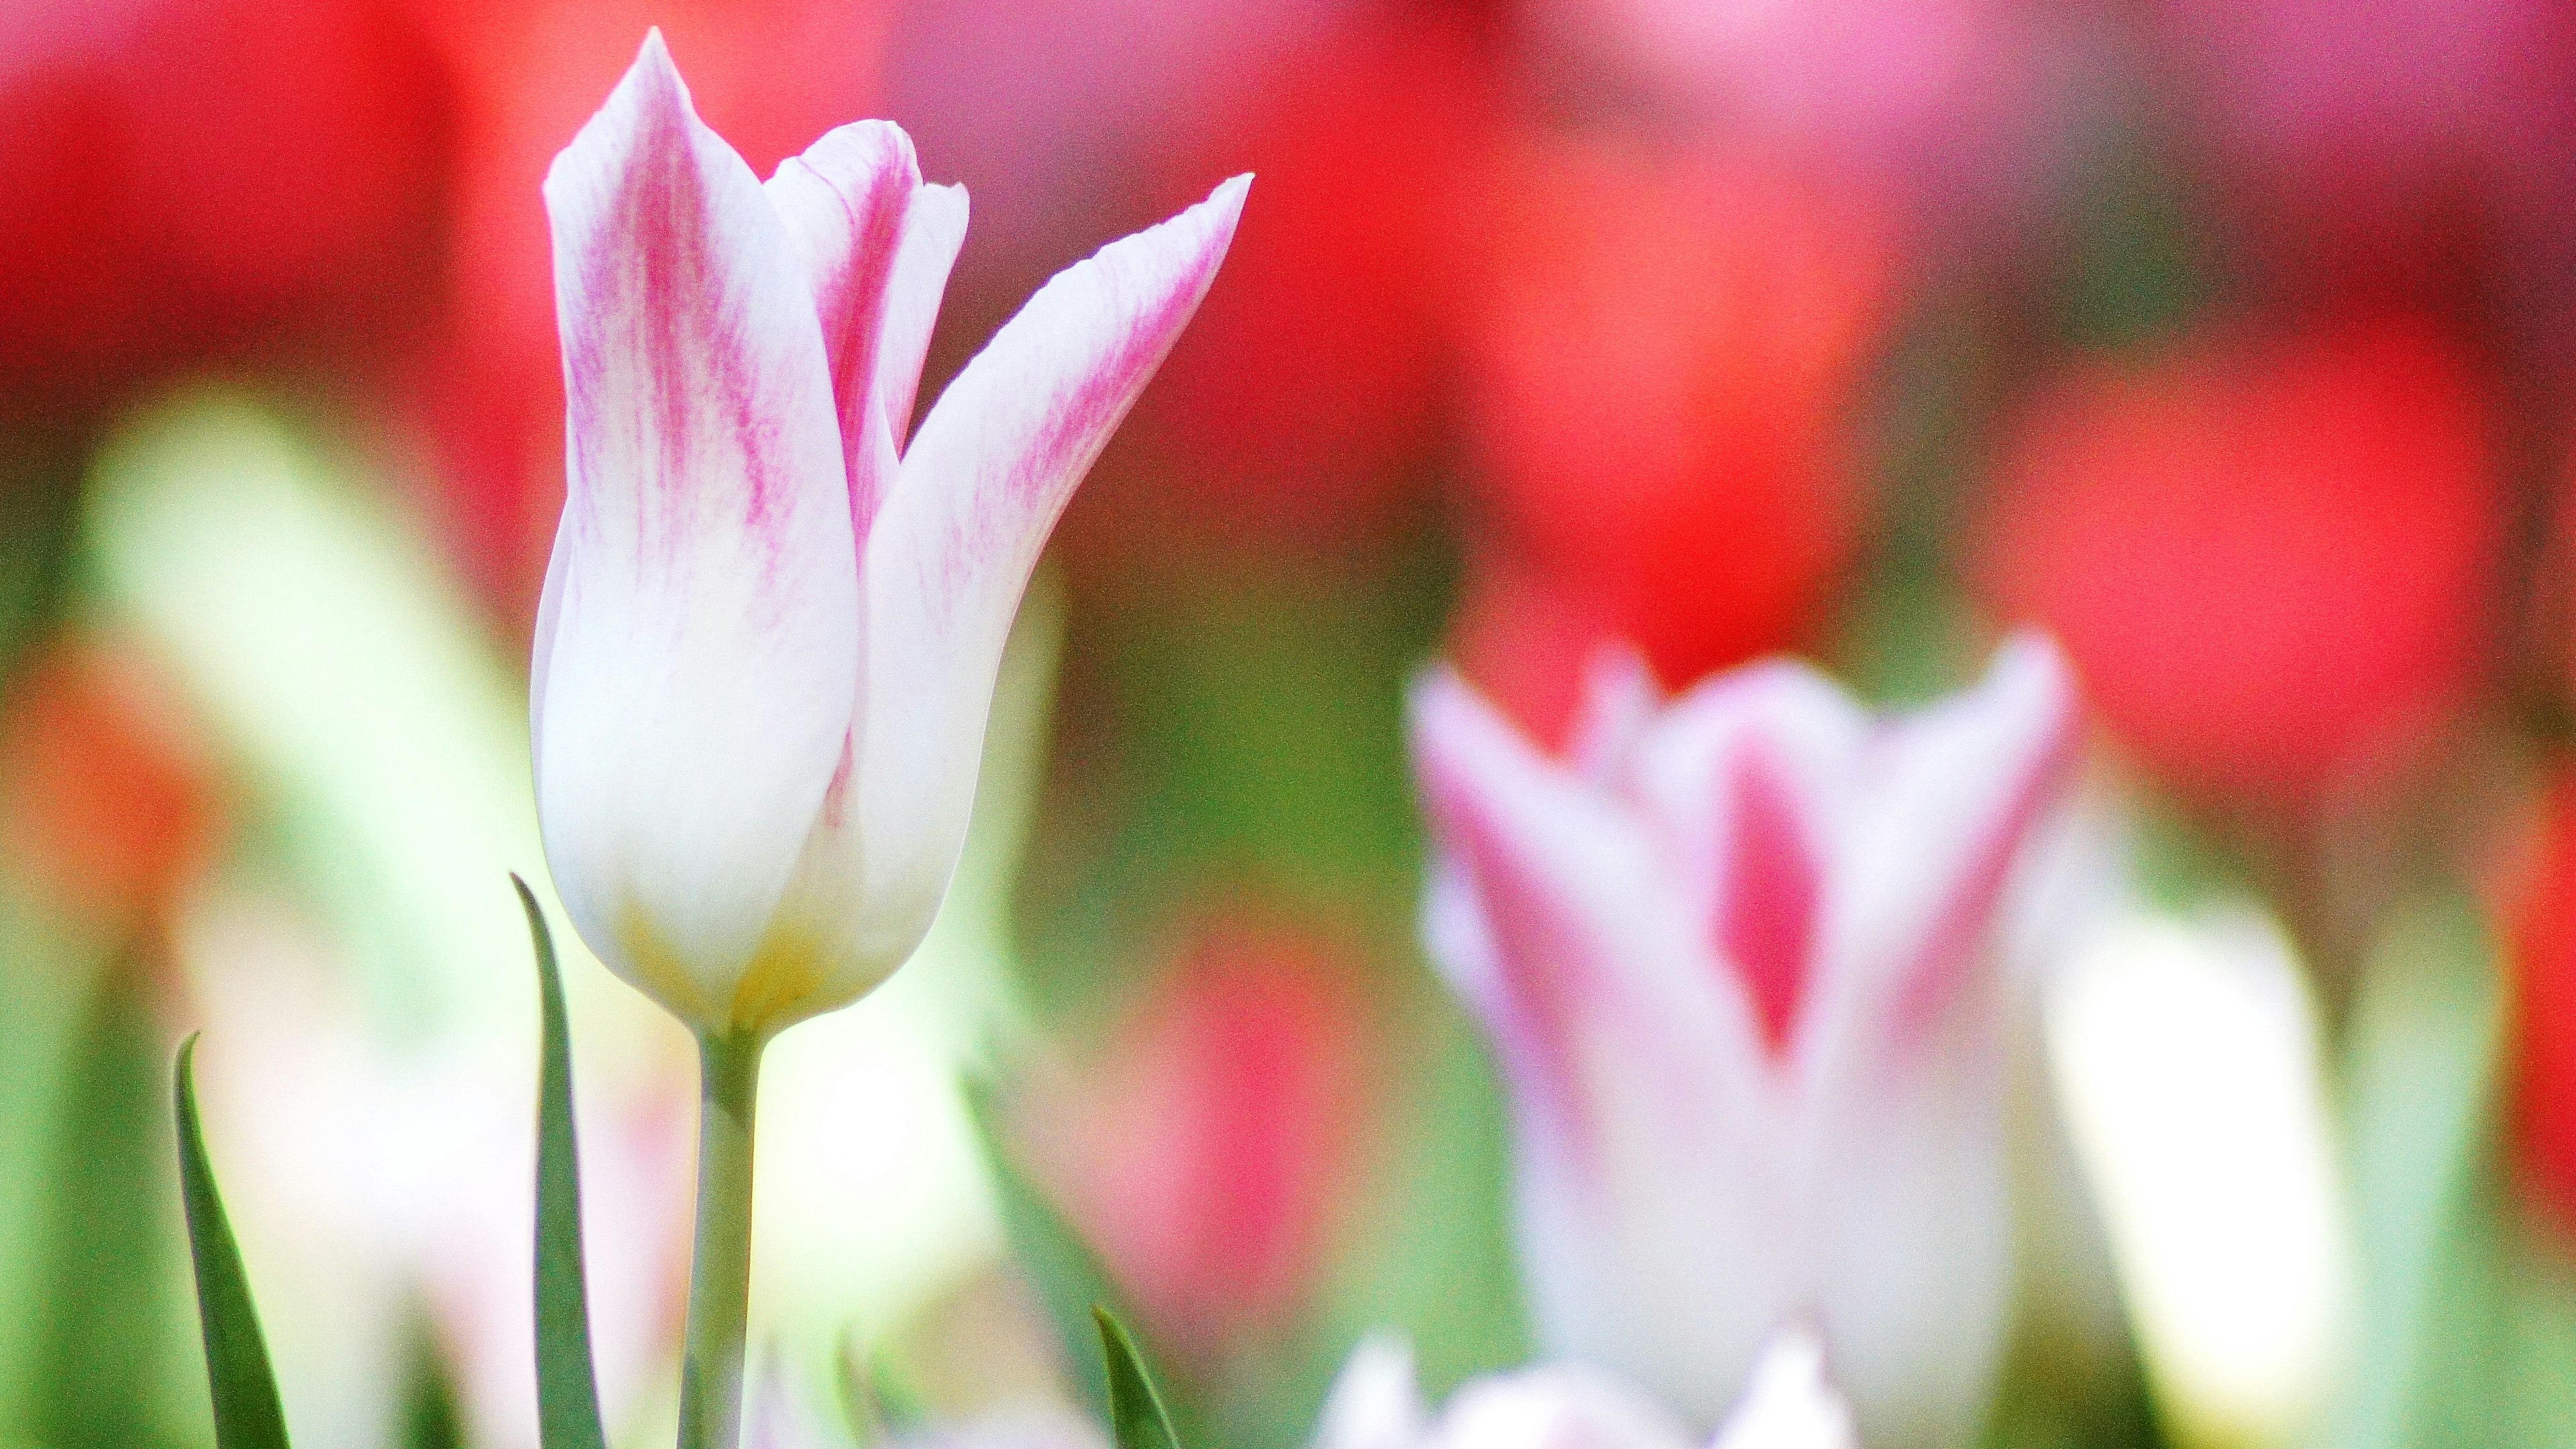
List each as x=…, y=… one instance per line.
x=567, y=1388
x=248, y=1414
x=1136, y=1413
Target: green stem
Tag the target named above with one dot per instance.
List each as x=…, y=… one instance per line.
x=720, y=1274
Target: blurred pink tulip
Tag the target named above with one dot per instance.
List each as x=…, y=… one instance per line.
x=770, y=629
x=1204, y=1153
x=2360, y=138
x=1736, y=962
x=1785, y=1404
x=1942, y=104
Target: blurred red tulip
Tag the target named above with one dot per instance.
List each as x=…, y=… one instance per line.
x=2543, y=950
x=769, y=75
x=1204, y=1150
x=2270, y=559
x=182, y=179
x=1661, y=375
x=1302, y=403
x=110, y=802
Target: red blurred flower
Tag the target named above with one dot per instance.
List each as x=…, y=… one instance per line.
x=2543, y=951
x=110, y=803
x=1661, y=372
x=770, y=75
x=1303, y=400
x=1203, y=1151
x=2270, y=559
x=191, y=178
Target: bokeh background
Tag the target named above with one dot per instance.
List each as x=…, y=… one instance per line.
x=2233, y=341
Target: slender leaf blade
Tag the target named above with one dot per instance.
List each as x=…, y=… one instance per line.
x=567, y=1385
x=1066, y=1275
x=248, y=1412
x=1136, y=1412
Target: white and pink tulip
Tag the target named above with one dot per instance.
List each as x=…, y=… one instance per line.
x=771, y=625
x=1735, y=958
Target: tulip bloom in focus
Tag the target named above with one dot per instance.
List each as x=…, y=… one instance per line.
x=1787, y=1404
x=2271, y=562
x=770, y=628
x=1735, y=959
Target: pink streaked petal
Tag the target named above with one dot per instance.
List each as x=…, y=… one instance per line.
x=932, y=232
x=1751, y=779
x=701, y=661
x=1620, y=699
x=951, y=552
x=1554, y=917
x=846, y=203
x=1956, y=792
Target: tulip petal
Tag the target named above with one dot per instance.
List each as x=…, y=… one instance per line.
x=700, y=671
x=951, y=552
x=1750, y=776
x=845, y=203
x=1905, y=927
x=1788, y=1404
x=1375, y=1402
x=1553, y=915
x=932, y=232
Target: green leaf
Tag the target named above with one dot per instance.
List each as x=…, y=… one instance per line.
x=248, y=1414
x=1135, y=1409
x=567, y=1388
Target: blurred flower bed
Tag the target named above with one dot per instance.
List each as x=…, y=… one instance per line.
x=2232, y=347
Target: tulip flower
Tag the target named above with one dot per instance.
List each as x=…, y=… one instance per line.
x=1736, y=961
x=771, y=627
x=1787, y=1404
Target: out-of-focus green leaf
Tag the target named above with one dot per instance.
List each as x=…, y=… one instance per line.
x=429, y=1413
x=1068, y=1279
x=248, y=1414
x=1136, y=1413
x=2421, y=1070
x=567, y=1388
x=106, y=1296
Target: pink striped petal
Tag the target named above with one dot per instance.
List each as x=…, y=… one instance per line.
x=1954, y=793
x=951, y=551
x=1553, y=913
x=846, y=203
x=700, y=664
x=1751, y=779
